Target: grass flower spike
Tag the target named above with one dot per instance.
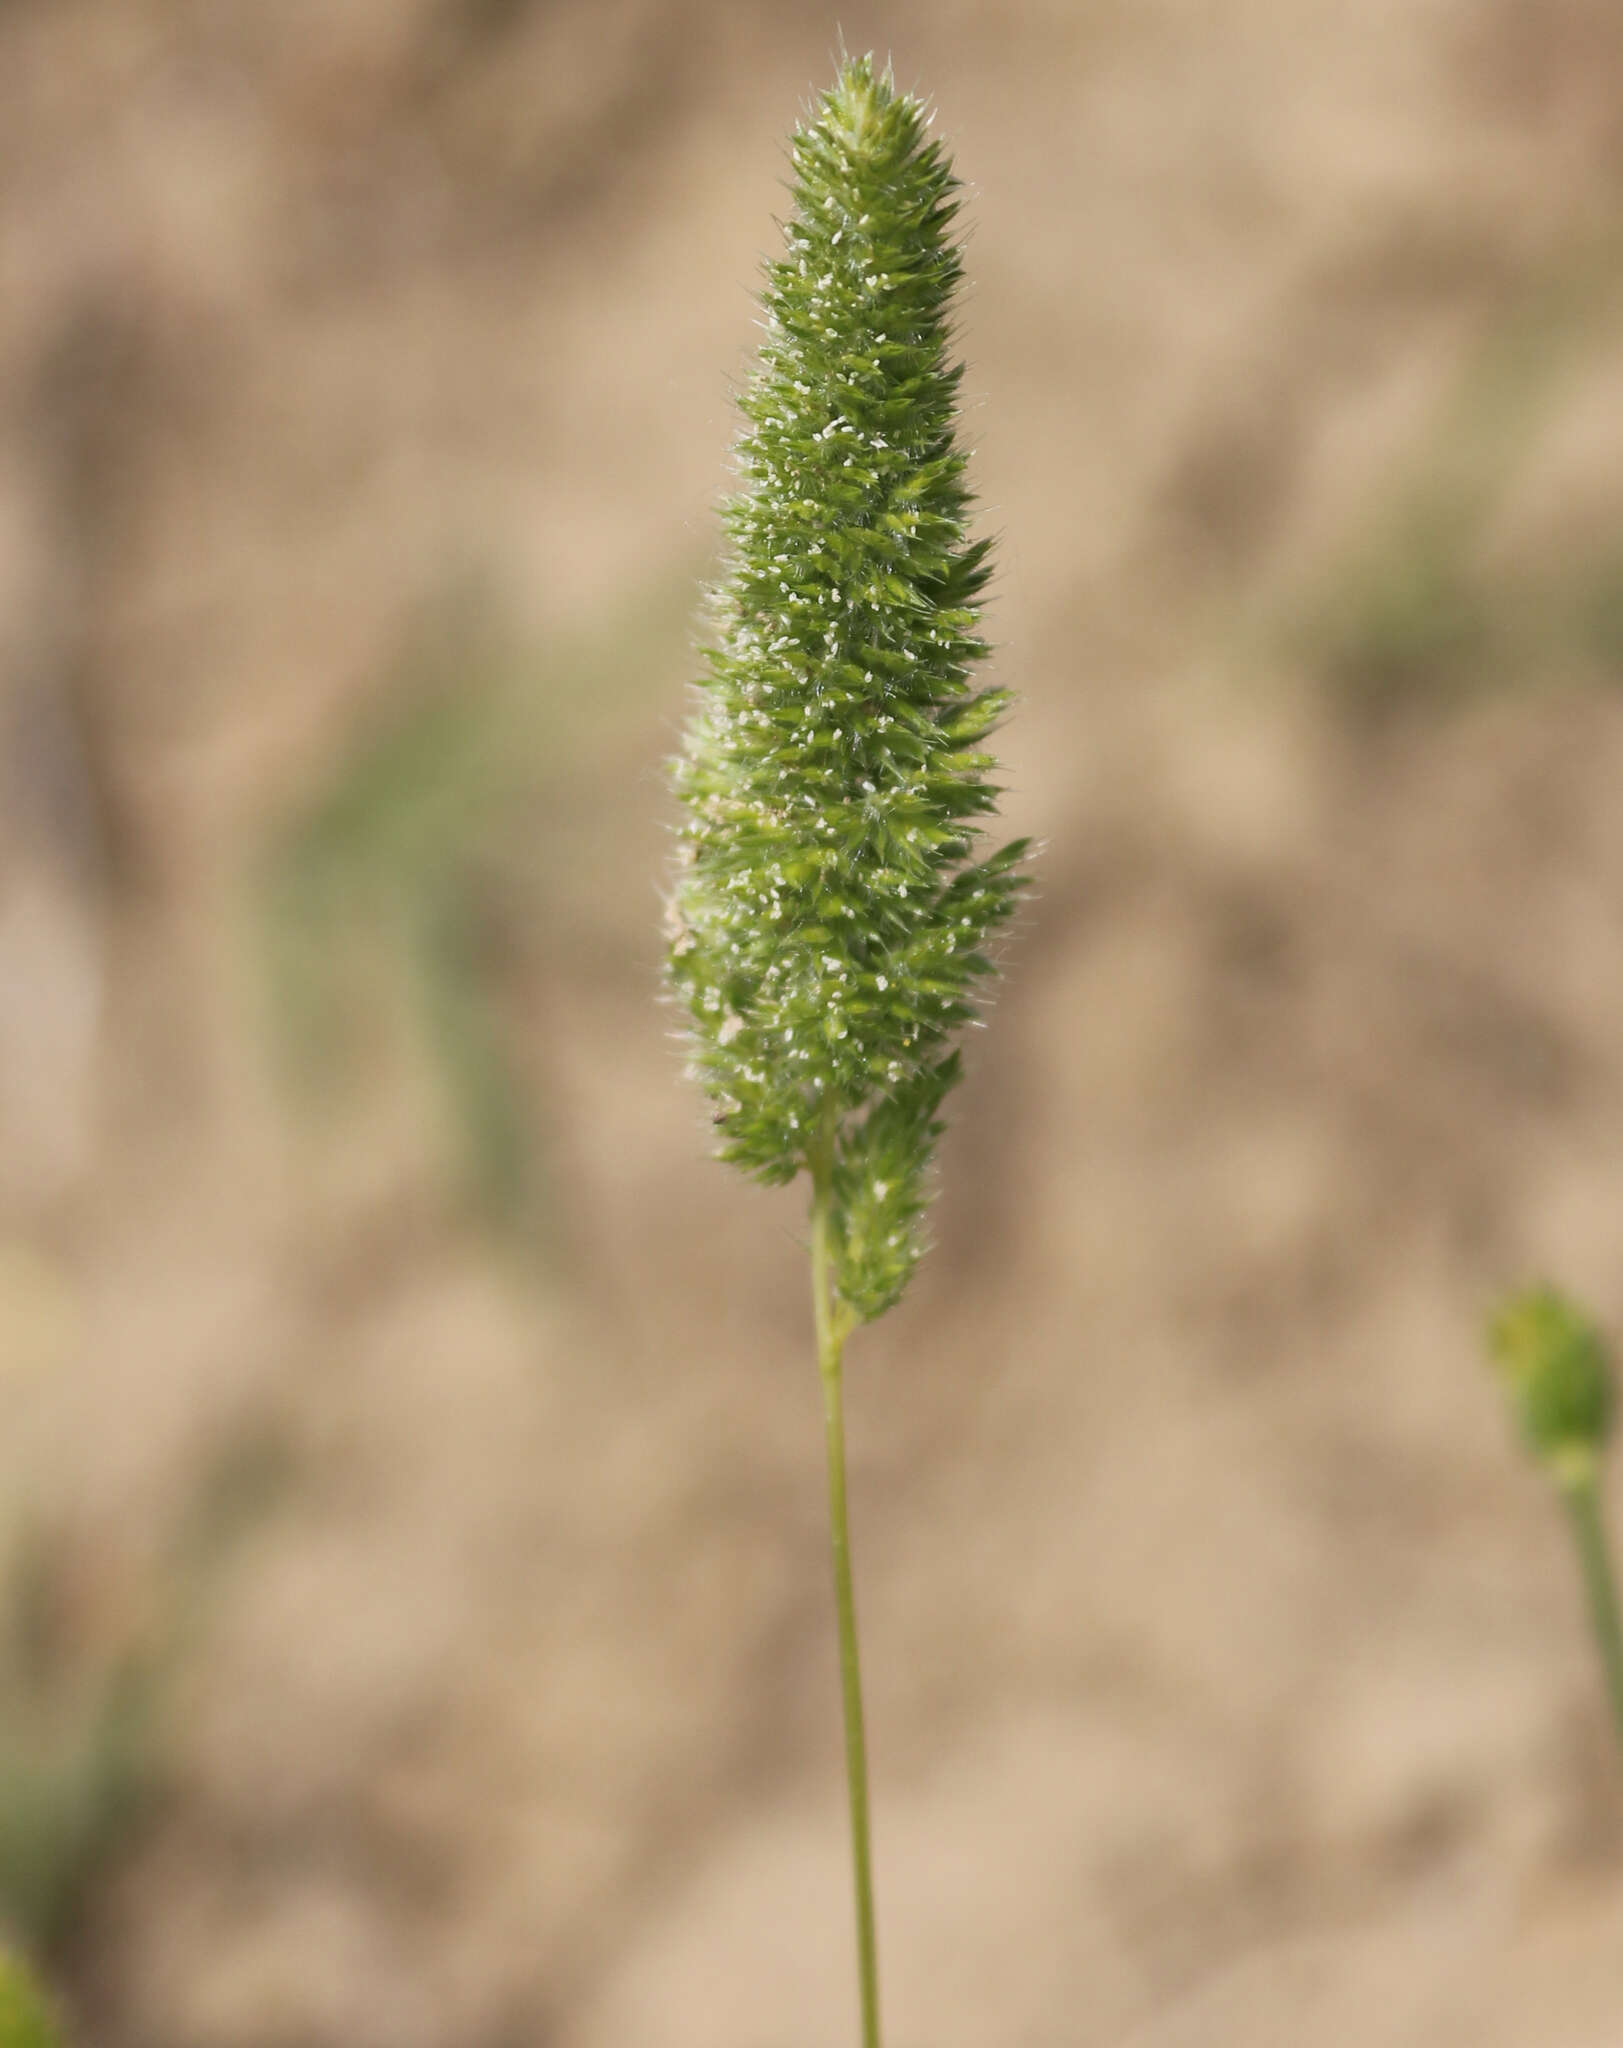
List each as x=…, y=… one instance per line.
x=832, y=905
x=830, y=923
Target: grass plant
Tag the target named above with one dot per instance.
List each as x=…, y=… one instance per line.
x=832, y=908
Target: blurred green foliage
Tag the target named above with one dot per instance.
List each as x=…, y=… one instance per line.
x=80, y=1718
x=69, y=1795
x=377, y=876
x=396, y=888
x=1413, y=612
x=25, y=2019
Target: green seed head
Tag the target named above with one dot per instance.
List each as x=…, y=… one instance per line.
x=831, y=910
x=1555, y=1367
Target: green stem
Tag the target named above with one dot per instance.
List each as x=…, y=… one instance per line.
x=833, y=1327
x=1582, y=1495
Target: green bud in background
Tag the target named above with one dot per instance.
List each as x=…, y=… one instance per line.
x=1555, y=1366
x=831, y=913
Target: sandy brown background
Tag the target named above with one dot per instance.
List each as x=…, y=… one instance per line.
x=1228, y=1682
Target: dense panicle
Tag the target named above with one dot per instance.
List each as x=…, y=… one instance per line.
x=830, y=913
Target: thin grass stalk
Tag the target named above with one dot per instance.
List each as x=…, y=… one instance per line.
x=832, y=1326
x=1586, y=1513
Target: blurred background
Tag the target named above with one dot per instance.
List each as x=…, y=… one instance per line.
x=414, y=1624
